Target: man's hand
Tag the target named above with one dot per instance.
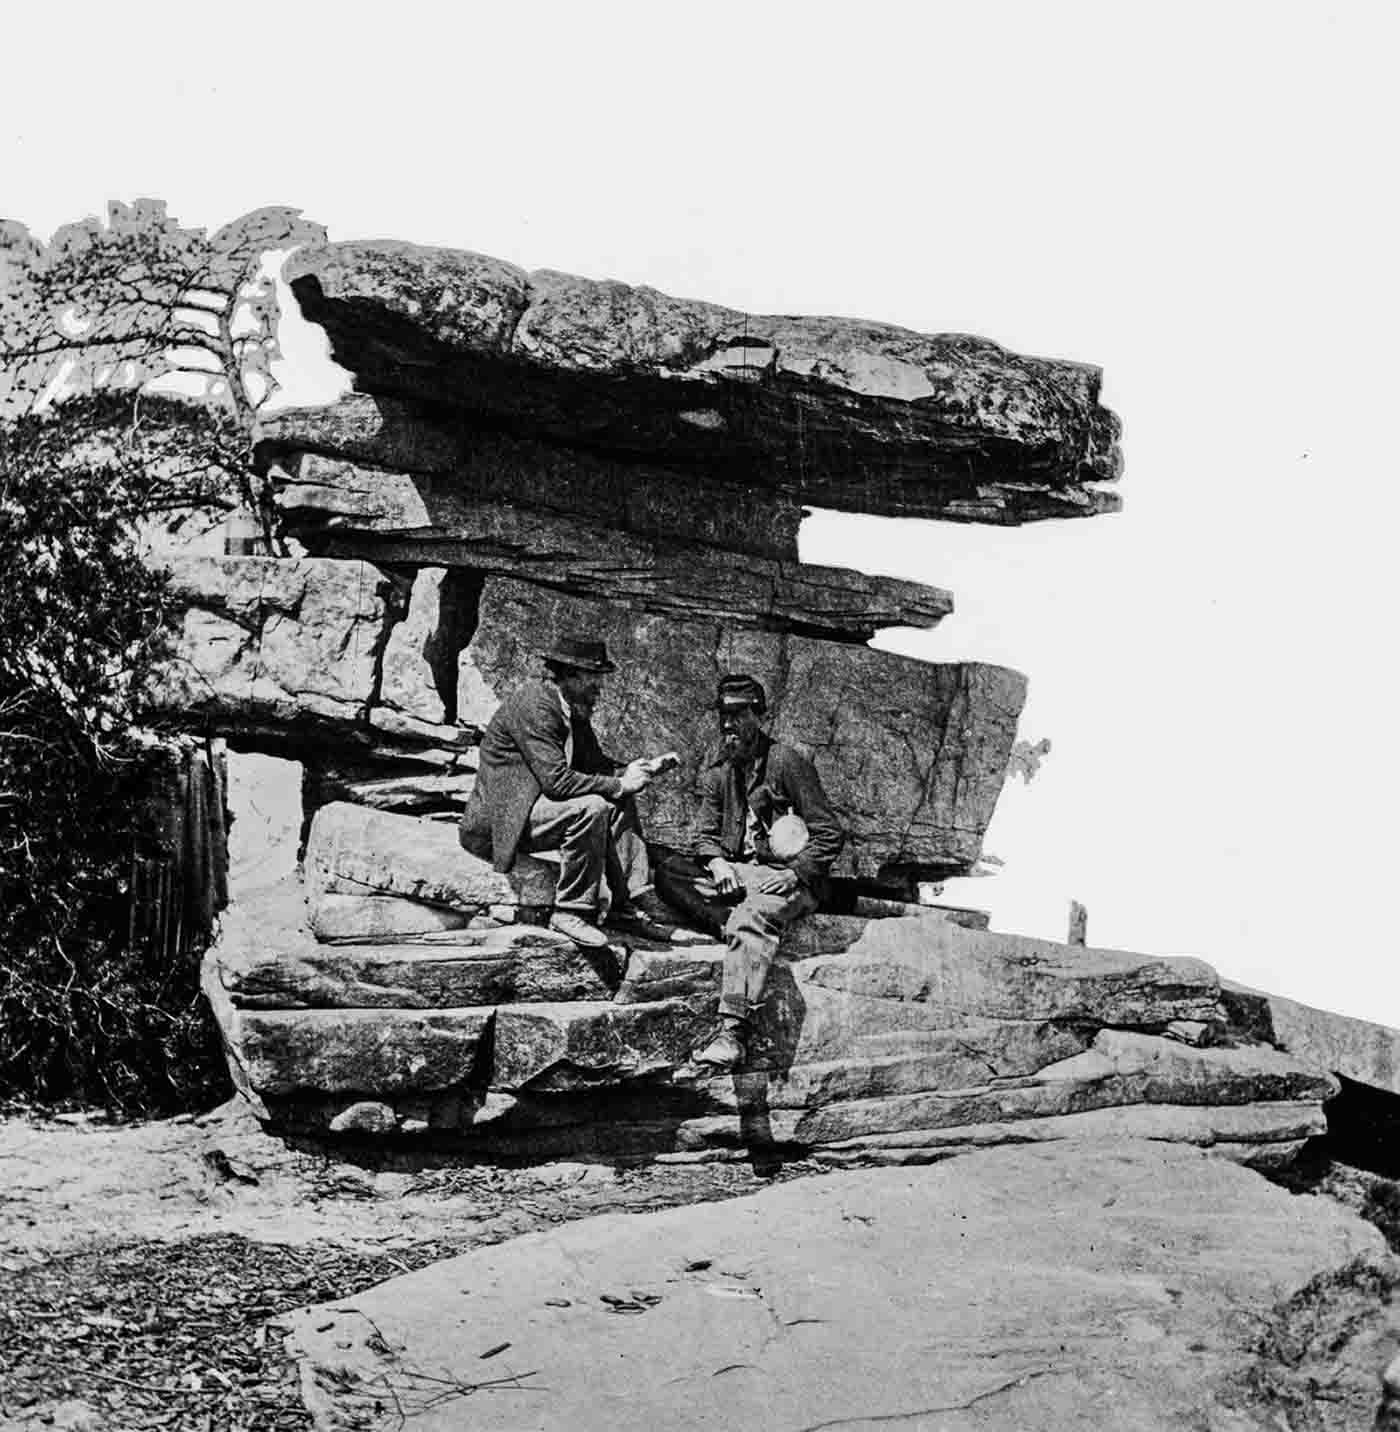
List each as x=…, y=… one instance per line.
x=724, y=875
x=636, y=776
x=779, y=882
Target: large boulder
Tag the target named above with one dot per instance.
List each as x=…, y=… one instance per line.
x=841, y=412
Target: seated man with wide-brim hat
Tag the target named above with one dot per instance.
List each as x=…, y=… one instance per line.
x=544, y=782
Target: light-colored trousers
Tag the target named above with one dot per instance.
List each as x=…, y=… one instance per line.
x=602, y=856
x=752, y=927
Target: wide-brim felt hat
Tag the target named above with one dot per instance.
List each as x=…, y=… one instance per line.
x=580, y=654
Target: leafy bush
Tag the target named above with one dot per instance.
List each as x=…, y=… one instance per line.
x=83, y=1015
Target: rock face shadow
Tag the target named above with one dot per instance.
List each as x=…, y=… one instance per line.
x=777, y=1033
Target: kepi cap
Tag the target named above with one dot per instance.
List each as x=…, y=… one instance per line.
x=737, y=692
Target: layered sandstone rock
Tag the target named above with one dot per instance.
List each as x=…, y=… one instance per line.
x=913, y=754
x=845, y=413
x=365, y=445
x=529, y=456
x=896, y=1038
x=1357, y=1049
x=663, y=576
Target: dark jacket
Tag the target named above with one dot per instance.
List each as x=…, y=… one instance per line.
x=521, y=758
x=779, y=781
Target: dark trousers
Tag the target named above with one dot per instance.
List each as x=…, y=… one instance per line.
x=602, y=856
x=751, y=924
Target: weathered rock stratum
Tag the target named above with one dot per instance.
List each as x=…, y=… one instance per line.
x=399, y=1003
x=373, y=677
x=840, y=412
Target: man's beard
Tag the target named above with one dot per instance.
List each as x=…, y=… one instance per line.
x=737, y=749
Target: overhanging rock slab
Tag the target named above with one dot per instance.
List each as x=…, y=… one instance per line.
x=588, y=558
x=335, y=446
x=843, y=413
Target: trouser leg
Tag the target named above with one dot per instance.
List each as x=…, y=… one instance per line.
x=578, y=830
x=684, y=883
x=628, y=866
x=752, y=931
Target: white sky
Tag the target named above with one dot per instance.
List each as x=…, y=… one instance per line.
x=1197, y=197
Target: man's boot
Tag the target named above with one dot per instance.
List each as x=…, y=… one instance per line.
x=646, y=917
x=726, y=1050
x=576, y=927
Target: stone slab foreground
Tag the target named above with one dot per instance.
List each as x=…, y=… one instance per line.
x=1084, y=1286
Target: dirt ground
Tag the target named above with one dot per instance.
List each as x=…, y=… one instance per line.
x=142, y=1266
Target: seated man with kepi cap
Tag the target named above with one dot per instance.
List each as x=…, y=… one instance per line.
x=545, y=783
x=764, y=840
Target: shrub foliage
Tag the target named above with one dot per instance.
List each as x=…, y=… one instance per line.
x=82, y=1014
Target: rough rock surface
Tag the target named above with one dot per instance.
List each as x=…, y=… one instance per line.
x=1355, y=1048
x=352, y=850
x=900, y=1038
x=408, y=679
x=345, y=1050
x=1111, y=1287
x=369, y=919
x=997, y=976
x=292, y=652
x=516, y=963
x=840, y=412
x=912, y=754
x=587, y=558
x=265, y=640
x=470, y=465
